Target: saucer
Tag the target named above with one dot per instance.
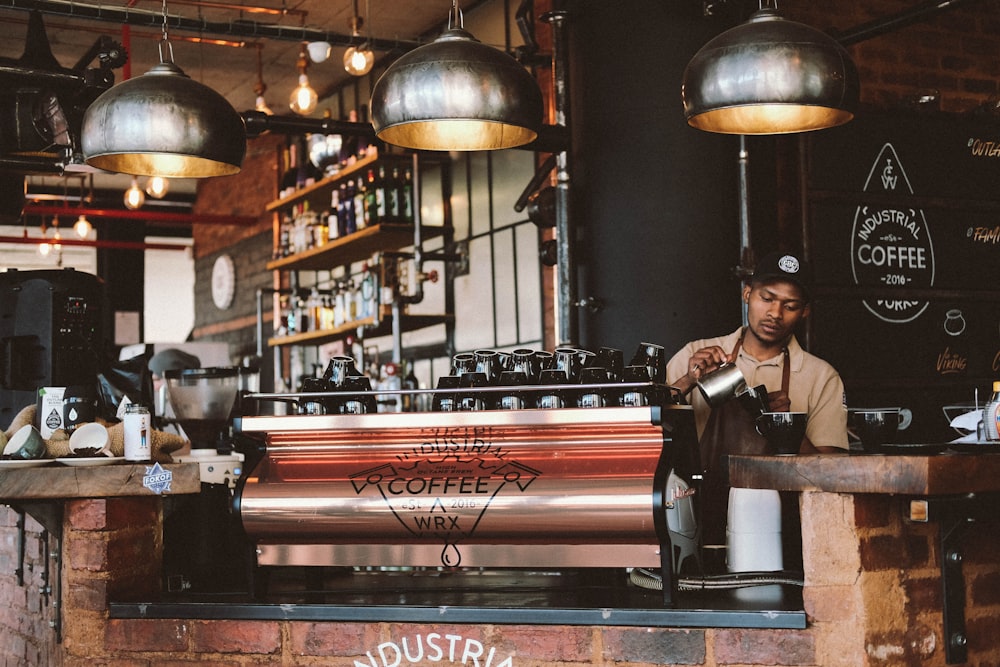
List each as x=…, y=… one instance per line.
x=13, y=464
x=89, y=461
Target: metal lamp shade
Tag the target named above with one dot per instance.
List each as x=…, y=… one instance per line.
x=456, y=94
x=163, y=124
x=770, y=76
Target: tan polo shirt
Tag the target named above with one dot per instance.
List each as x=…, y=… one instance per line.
x=814, y=386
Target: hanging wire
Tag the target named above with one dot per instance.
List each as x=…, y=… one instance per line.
x=368, y=24
x=455, y=18
x=165, y=39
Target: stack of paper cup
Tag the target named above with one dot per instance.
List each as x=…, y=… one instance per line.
x=753, y=531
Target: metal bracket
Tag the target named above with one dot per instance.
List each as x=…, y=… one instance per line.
x=955, y=515
x=50, y=515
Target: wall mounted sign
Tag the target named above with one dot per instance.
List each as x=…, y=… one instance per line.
x=891, y=245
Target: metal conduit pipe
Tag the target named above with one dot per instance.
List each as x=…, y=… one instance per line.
x=567, y=323
x=154, y=19
x=887, y=24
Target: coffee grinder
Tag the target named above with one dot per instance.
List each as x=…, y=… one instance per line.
x=204, y=548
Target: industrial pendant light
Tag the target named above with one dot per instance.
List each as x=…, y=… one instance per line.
x=456, y=94
x=303, y=99
x=163, y=123
x=770, y=76
x=358, y=60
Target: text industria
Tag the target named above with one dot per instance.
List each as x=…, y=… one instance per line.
x=434, y=648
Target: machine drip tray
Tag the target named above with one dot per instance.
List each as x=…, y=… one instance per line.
x=600, y=597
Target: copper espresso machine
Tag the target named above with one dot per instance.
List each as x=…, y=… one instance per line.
x=561, y=488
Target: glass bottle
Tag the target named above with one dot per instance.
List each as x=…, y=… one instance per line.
x=406, y=197
x=991, y=414
x=360, y=205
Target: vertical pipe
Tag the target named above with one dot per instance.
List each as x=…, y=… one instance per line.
x=567, y=325
x=745, y=266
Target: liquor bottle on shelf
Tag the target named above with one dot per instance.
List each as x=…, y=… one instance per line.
x=360, y=208
x=347, y=196
x=339, y=306
x=288, y=178
x=349, y=146
x=284, y=236
x=371, y=199
x=333, y=216
x=350, y=302
x=410, y=401
x=381, y=186
x=394, y=191
x=302, y=322
x=315, y=309
x=406, y=197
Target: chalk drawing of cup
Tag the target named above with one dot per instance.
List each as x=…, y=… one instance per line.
x=954, y=322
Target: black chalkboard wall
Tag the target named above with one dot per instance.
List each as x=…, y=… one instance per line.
x=903, y=226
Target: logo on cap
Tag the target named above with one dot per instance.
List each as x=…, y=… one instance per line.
x=788, y=264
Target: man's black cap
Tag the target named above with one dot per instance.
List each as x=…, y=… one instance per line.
x=788, y=266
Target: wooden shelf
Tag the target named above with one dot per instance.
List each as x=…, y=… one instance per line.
x=55, y=480
x=384, y=328
x=320, y=190
x=353, y=248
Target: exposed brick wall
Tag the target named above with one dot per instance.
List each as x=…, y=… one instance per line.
x=245, y=194
x=872, y=597
x=955, y=52
x=26, y=609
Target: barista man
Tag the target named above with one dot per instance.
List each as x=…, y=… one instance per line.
x=767, y=353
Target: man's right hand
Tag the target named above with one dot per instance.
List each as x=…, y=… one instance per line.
x=702, y=362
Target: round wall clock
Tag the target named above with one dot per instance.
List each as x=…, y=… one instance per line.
x=223, y=282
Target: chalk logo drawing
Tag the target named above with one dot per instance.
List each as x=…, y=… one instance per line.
x=442, y=488
x=891, y=247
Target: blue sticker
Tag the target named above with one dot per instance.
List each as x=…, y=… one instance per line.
x=157, y=479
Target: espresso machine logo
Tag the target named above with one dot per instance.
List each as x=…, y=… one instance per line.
x=891, y=246
x=442, y=488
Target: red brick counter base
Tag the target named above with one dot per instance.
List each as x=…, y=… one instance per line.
x=872, y=595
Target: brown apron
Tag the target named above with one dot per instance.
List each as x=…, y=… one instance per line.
x=729, y=430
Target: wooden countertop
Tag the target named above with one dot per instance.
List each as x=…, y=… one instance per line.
x=57, y=481
x=940, y=474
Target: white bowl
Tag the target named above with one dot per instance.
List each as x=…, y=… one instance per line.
x=88, y=436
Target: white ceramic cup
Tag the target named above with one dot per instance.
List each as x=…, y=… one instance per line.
x=90, y=436
x=26, y=443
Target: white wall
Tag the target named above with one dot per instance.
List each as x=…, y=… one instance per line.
x=168, y=293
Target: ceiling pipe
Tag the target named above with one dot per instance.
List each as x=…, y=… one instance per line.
x=551, y=138
x=249, y=9
x=117, y=245
x=887, y=24
x=159, y=217
x=154, y=19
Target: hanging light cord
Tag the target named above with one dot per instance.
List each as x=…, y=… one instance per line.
x=261, y=87
x=165, y=39
x=368, y=24
x=455, y=18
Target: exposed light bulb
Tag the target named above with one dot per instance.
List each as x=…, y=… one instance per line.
x=261, y=106
x=56, y=237
x=44, y=249
x=82, y=226
x=157, y=186
x=358, y=60
x=134, y=196
x=304, y=99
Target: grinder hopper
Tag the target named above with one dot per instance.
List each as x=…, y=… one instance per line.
x=202, y=399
